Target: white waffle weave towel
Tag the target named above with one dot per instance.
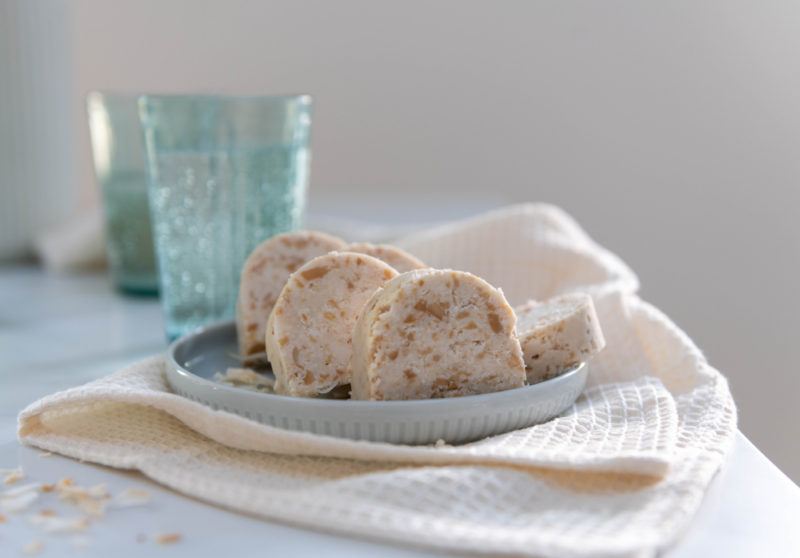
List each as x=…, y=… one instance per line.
x=619, y=474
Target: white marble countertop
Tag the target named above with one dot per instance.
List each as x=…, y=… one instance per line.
x=56, y=332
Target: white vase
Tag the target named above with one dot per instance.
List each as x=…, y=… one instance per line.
x=37, y=156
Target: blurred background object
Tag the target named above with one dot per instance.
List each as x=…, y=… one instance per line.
x=671, y=131
x=119, y=168
x=38, y=132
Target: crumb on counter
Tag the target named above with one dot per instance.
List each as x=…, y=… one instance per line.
x=54, y=524
x=19, y=498
x=169, y=538
x=91, y=501
x=131, y=497
x=11, y=476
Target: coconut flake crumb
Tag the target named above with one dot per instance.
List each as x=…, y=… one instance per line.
x=89, y=506
x=33, y=547
x=246, y=378
x=169, y=538
x=50, y=524
x=91, y=501
x=440, y=443
x=21, y=489
x=131, y=497
x=98, y=491
x=19, y=498
x=11, y=476
x=46, y=454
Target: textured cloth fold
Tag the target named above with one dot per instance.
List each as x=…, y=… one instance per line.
x=618, y=474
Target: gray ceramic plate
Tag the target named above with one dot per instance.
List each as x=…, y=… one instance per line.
x=193, y=360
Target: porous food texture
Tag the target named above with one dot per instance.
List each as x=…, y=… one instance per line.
x=308, y=338
x=435, y=333
x=263, y=276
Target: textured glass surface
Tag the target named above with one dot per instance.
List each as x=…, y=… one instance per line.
x=225, y=174
x=118, y=153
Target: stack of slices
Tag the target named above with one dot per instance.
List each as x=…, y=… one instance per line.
x=374, y=321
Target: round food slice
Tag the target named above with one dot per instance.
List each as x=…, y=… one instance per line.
x=309, y=333
x=399, y=259
x=435, y=333
x=263, y=276
x=558, y=334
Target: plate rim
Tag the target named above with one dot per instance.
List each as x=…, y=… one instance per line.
x=540, y=388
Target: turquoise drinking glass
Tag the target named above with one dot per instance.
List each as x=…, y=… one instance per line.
x=224, y=173
x=118, y=154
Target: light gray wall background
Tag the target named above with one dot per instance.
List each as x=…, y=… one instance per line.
x=671, y=130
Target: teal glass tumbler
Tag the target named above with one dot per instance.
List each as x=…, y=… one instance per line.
x=118, y=156
x=224, y=173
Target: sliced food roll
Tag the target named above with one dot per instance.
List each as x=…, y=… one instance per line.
x=558, y=334
x=435, y=333
x=309, y=331
x=263, y=276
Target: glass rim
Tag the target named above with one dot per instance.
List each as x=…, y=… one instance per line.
x=306, y=98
